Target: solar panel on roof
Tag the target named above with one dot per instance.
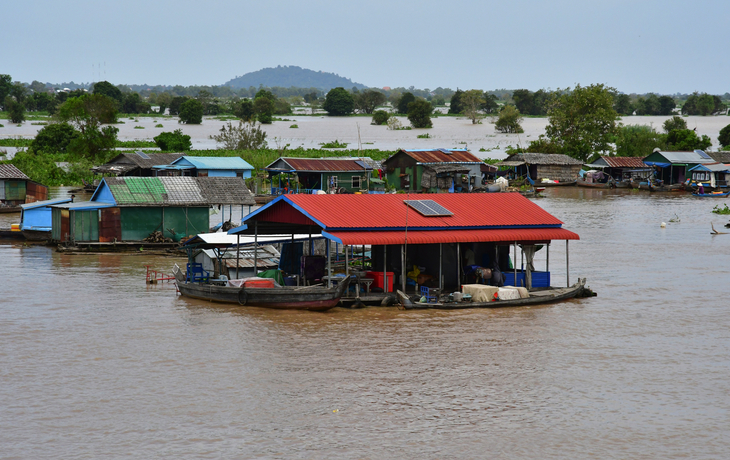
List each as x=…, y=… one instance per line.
x=428, y=208
x=703, y=154
x=143, y=155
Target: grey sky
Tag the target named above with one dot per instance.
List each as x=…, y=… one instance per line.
x=633, y=45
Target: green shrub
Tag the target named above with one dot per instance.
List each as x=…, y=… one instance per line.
x=424, y=136
x=139, y=127
x=159, y=125
x=334, y=145
x=380, y=117
x=294, y=126
x=175, y=141
x=54, y=138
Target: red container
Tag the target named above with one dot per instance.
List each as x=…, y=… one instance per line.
x=264, y=283
x=378, y=277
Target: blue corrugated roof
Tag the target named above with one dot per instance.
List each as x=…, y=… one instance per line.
x=40, y=204
x=214, y=162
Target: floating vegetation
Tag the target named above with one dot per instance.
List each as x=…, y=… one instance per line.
x=334, y=145
x=424, y=136
x=719, y=210
x=139, y=127
x=294, y=126
x=159, y=125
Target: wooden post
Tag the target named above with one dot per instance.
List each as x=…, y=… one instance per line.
x=441, y=266
x=256, y=248
x=458, y=266
x=385, y=269
x=567, y=263
x=522, y=264
x=347, y=262
x=238, y=251
x=547, y=262
x=311, y=249
x=329, y=265
x=403, y=267
x=514, y=265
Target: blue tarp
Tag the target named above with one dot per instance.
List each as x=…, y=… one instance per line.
x=656, y=163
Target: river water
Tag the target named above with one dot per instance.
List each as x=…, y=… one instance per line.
x=94, y=363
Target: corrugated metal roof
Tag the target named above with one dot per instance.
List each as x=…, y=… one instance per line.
x=535, y=235
x=624, y=162
x=712, y=167
x=318, y=165
x=9, y=171
x=84, y=205
x=234, y=163
x=686, y=157
x=441, y=156
x=179, y=191
x=40, y=204
x=471, y=210
x=543, y=159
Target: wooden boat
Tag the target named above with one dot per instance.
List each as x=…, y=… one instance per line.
x=644, y=185
x=539, y=296
x=313, y=298
x=712, y=194
x=582, y=183
x=556, y=184
x=9, y=209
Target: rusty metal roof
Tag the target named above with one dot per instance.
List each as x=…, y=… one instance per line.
x=11, y=172
x=317, y=165
x=624, y=162
x=441, y=156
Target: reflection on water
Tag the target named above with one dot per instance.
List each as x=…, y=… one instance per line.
x=96, y=364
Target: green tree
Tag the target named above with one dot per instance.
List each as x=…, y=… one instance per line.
x=311, y=97
x=648, y=105
x=264, y=108
x=132, y=103
x=471, y=105
x=637, y=140
x=86, y=113
x=702, y=104
x=438, y=100
x=191, y=112
x=174, y=141
x=674, y=123
x=583, y=121
x=455, y=103
x=524, y=101
x=163, y=101
x=666, y=105
x=489, y=105
x=419, y=113
x=54, y=138
x=15, y=108
x=107, y=89
x=176, y=103
x=367, y=101
x=6, y=83
x=339, y=102
x=683, y=140
x=724, y=137
x=245, y=136
x=282, y=107
x=380, y=117
x=509, y=120
x=244, y=110
x=622, y=104
x=405, y=99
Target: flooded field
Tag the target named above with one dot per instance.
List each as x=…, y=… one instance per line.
x=94, y=363
x=447, y=132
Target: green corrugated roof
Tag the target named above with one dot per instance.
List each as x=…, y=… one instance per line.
x=138, y=190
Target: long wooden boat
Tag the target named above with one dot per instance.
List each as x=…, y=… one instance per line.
x=711, y=195
x=313, y=298
x=582, y=183
x=556, y=184
x=537, y=297
x=644, y=185
x=9, y=209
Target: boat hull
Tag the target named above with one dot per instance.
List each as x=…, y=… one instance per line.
x=593, y=184
x=538, y=297
x=36, y=235
x=284, y=298
x=711, y=195
x=556, y=184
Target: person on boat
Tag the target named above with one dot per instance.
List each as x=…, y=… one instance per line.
x=701, y=189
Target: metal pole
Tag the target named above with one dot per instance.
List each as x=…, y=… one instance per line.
x=567, y=263
x=441, y=265
x=311, y=249
x=514, y=265
x=547, y=262
x=256, y=248
x=522, y=264
x=329, y=265
x=403, y=267
x=385, y=270
x=458, y=266
x=238, y=252
x=347, y=263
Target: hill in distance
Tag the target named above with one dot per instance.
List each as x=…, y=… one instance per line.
x=288, y=76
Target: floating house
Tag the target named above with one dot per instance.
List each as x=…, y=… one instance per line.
x=622, y=168
x=308, y=175
x=16, y=188
x=129, y=209
x=36, y=218
x=444, y=234
x=673, y=167
x=434, y=170
x=138, y=164
x=709, y=175
x=205, y=167
x=538, y=166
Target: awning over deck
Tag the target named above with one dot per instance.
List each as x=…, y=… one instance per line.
x=521, y=235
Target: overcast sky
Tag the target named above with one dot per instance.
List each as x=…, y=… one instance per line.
x=638, y=46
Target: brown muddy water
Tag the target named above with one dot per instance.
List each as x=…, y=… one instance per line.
x=96, y=364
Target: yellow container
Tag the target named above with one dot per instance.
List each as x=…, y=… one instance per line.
x=15, y=227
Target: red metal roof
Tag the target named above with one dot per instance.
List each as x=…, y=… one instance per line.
x=321, y=164
x=440, y=156
x=532, y=235
x=470, y=210
x=624, y=162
